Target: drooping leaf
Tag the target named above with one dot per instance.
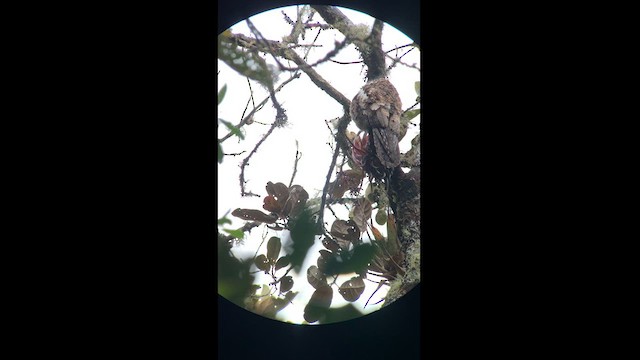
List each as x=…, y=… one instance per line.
x=286, y=283
x=282, y=262
x=220, y=153
x=417, y=87
x=377, y=234
x=362, y=213
x=254, y=215
x=315, y=277
x=381, y=216
x=352, y=289
x=273, y=248
x=393, y=244
x=322, y=263
x=221, y=93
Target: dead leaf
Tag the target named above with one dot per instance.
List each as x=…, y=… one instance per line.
x=346, y=230
x=352, y=289
x=298, y=197
x=362, y=213
x=279, y=191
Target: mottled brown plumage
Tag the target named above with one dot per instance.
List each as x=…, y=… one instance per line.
x=377, y=109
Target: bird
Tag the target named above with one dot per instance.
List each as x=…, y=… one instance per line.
x=376, y=109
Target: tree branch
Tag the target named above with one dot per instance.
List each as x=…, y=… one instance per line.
x=277, y=49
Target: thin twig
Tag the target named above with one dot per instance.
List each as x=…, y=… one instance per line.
x=333, y=212
x=412, y=106
x=259, y=107
x=235, y=154
x=281, y=116
x=251, y=90
x=346, y=62
x=295, y=164
x=400, y=47
x=246, y=161
x=326, y=185
x=398, y=61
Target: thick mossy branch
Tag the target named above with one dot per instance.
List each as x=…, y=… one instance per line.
x=405, y=202
x=369, y=45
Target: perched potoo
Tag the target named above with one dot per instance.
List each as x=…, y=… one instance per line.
x=377, y=109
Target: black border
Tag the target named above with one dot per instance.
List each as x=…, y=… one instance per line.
x=126, y=101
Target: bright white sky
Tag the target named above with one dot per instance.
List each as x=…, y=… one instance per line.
x=307, y=108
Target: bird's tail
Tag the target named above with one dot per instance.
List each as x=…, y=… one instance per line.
x=386, y=146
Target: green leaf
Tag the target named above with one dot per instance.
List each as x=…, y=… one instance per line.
x=224, y=220
x=417, y=87
x=220, y=153
x=221, y=93
x=238, y=234
x=381, y=216
x=234, y=130
x=243, y=61
x=411, y=114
